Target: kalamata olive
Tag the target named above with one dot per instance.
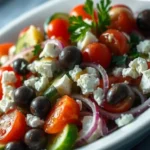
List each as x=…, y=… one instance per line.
x=119, y=92
x=20, y=66
x=69, y=57
x=15, y=146
x=40, y=106
x=143, y=20
x=35, y=139
x=24, y=95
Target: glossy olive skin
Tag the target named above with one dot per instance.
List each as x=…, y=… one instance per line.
x=40, y=106
x=35, y=139
x=24, y=95
x=143, y=20
x=69, y=57
x=15, y=146
x=20, y=66
x=119, y=92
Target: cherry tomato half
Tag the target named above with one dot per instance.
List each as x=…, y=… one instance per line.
x=12, y=126
x=116, y=41
x=58, y=28
x=122, y=18
x=4, y=48
x=97, y=53
x=79, y=11
x=65, y=111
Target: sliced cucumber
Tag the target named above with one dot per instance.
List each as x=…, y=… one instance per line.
x=58, y=15
x=2, y=147
x=52, y=94
x=64, y=140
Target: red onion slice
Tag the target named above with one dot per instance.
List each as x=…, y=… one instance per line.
x=95, y=121
x=103, y=73
x=134, y=111
x=138, y=92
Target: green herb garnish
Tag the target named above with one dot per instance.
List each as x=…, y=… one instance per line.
x=37, y=50
x=119, y=60
x=78, y=27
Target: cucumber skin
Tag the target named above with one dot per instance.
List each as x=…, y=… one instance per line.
x=69, y=139
x=2, y=147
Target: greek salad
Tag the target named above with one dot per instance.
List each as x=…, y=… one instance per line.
x=86, y=76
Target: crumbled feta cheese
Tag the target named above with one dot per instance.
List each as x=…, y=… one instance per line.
x=139, y=64
x=34, y=121
x=124, y=120
x=8, y=77
x=31, y=82
x=4, y=59
x=50, y=50
x=8, y=90
x=73, y=73
x=63, y=85
x=144, y=47
x=6, y=103
x=145, y=82
x=41, y=84
x=110, y=37
x=88, y=83
x=117, y=71
x=130, y=72
x=91, y=70
x=98, y=95
x=88, y=39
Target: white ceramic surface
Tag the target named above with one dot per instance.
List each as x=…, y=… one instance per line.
x=120, y=139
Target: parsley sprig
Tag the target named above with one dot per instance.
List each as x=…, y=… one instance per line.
x=37, y=49
x=78, y=27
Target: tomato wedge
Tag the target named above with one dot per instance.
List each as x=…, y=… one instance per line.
x=12, y=126
x=4, y=48
x=65, y=111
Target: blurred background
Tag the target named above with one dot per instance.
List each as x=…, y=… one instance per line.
x=11, y=9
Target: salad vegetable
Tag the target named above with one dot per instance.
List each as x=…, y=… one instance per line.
x=86, y=76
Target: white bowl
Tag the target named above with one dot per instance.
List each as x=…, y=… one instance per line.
x=124, y=137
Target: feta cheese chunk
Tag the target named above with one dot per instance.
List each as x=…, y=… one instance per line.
x=31, y=82
x=91, y=70
x=117, y=71
x=34, y=121
x=145, y=82
x=50, y=50
x=41, y=84
x=98, y=95
x=6, y=103
x=124, y=120
x=8, y=77
x=139, y=64
x=144, y=47
x=88, y=83
x=88, y=39
x=8, y=90
x=76, y=71
x=63, y=85
x=130, y=72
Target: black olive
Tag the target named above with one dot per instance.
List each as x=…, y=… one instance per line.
x=40, y=106
x=20, y=66
x=24, y=95
x=35, y=139
x=15, y=146
x=69, y=57
x=119, y=92
x=143, y=20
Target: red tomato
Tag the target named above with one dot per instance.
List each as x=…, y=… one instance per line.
x=97, y=53
x=79, y=11
x=58, y=28
x=120, y=107
x=12, y=126
x=4, y=48
x=23, y=31
x=65, y=111
x=116, y=41
x=122, y=18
